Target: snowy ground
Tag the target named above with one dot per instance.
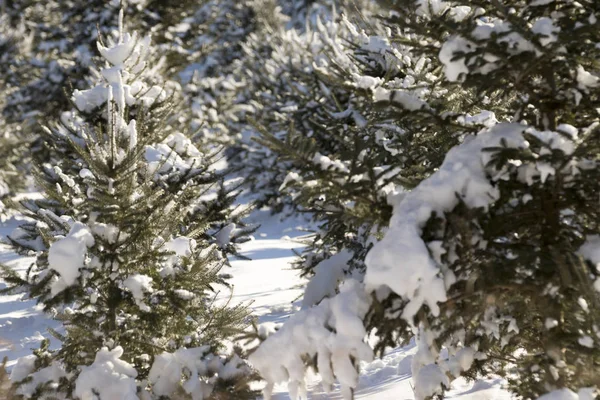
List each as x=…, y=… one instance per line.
x=273, y=289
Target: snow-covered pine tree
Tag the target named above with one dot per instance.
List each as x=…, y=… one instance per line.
x=124, y=259
x=281, y=70
x=328, y=150
x=347, y=153
x=495, y=257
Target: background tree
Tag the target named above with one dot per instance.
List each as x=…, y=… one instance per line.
x=14, y=41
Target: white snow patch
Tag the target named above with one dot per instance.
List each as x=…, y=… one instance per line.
x=108, y=377
x=67, y=255
x=139, y=284
x=327, y=274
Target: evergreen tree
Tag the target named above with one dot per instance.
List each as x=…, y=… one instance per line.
x=125, y=255
x=213, y=80
x=288, y=96
x=491, y=251
x=494, y=257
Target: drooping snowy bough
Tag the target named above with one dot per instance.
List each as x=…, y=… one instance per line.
x=332, y=332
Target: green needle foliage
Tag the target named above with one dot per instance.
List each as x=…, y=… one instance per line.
x=521, y=274
x=130, y=239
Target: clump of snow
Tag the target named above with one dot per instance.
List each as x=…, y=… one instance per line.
x=139, y=284
x=118, y=53
x=175, y=153
x=108, y=377
x=182, y=246
x=431, y=8
x=367, y=82
x=85, y=173
x=184, y=294
x=537, y=3
x=546, y=29
x=327, y=274
x=586, y=341
x=550, y=323
x=333, y=331
x=166, y=374
x=223, y=237
x=108, y=232
x=430, y=380
x=567, y=394
x=24, y=369
x=67, y=255
x=406, y=100
x=461, y=361
x=586, y=80
x=290, y=177
x=590, y=250
x=193, y=370
x=456, y=50
x=327, y=163
x=455, y=68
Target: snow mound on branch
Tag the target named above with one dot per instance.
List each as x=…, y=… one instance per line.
x=120, y=52
x=108, y=377
x=138, y=285
x=25, y=368
x=456, y=54
x=176, y=153
x=194, y=370
x=401, y=261
x=590, y=250
x=182, y=246
x=327, y=274
x=165, y=374
x=429, y=381
x=67, y=255
x=332, y=330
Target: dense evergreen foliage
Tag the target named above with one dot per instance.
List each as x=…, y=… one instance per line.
x=515, y=254
x=492, y=153
x=446, y=152
x=130, y=240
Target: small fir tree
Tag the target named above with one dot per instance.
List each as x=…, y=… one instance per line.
x=124, y=255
